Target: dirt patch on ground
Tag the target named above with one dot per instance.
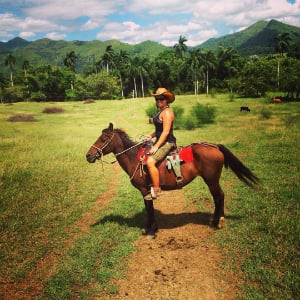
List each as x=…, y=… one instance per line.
x=181, y=262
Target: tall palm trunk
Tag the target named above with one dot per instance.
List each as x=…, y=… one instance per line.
x=11, y=78
x=206, y=81
x=135, y=89
x=278, y=71
x=121, y=84
x=142, y=83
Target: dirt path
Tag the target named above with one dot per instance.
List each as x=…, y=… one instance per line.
x=180, y=263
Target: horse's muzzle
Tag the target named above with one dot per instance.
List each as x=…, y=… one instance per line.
x=91, y=158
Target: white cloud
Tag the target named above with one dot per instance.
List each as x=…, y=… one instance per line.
x=89, y=25
x=122, y=31
x=14, y=23
x=134, y=21
x=55, y=36
x=57, y=9
x=26, y=34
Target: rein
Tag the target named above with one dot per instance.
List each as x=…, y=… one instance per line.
x=135, y=145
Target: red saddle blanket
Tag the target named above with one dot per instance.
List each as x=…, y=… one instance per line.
x=185, y=154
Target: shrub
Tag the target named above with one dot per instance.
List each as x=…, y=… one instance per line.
x=189, y=123
x=70, y=94
x=266, y=113
x=213, y=93
x=38, y=96
x=203, y=114
x=151, y=111
x=88, y=101
x=179, y=120
x=53, y=110
x=231, y=97
x=21, y=118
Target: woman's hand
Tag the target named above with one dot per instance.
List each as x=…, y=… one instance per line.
x=147, y=137
x=153, y=150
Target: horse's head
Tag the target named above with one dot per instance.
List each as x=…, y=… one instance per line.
x=102, y=146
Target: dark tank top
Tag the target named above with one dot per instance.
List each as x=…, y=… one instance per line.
x=159, y=129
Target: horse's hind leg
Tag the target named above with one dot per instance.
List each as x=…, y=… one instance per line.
x=218, y=196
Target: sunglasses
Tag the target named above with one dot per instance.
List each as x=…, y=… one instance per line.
x=160, y=98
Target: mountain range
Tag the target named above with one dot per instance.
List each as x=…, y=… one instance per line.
x=258, y=39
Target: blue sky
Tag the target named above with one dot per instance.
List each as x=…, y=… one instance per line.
x=135, y=21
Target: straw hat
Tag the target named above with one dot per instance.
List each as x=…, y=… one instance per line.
x=164, y=92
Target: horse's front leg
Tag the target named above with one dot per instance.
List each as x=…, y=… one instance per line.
x=151, y=226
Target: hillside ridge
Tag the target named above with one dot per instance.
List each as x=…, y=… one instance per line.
x=257, y=39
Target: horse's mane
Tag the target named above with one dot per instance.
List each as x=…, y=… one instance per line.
x=127, y=141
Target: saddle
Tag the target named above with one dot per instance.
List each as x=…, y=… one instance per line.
x=173, y=160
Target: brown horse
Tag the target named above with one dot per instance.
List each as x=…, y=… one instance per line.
x=207, y=162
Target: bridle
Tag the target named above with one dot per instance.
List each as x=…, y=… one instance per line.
x=100, y=153
x=100, y=150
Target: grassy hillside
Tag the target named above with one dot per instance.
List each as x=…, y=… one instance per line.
x=46, y=51
x=235, y=39
x=259, y=38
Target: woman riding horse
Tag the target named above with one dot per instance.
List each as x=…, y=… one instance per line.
x=164, y=138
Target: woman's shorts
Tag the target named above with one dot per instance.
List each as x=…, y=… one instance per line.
x=162, y=152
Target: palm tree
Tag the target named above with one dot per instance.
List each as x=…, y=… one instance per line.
x=142, y=67
x=228, y=64
x=98, y=65
x=195, y=63
x=208, y=62
x=25, y=67
x=282, y=43
x=108, y=57
x=133, y=70
x=281, y=47
x=181, y=47
x=121, y=61
x=70, y=60
x=10, y=61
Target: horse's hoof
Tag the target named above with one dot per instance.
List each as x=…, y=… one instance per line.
x=150, y=231
x=218, y=224
x=150, y=234
x=221, y=223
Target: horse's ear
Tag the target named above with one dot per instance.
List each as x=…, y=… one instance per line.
x=111, y=126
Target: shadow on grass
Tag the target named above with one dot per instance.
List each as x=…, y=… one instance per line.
x=165, y=221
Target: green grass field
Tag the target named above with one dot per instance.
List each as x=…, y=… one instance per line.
x=46, y=186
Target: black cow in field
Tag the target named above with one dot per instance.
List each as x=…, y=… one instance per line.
x=246, y=108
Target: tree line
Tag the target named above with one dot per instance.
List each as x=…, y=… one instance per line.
x=184, y=70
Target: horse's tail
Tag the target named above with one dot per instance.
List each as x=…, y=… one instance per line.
x=239, y=169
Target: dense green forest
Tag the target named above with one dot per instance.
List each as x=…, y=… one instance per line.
x=262, y=58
